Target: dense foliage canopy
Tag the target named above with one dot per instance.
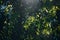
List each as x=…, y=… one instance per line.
x=29, y=19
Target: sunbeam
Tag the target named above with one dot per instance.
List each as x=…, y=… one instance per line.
x=30, y=3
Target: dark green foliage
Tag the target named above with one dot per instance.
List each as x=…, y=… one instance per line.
x=20, y=20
